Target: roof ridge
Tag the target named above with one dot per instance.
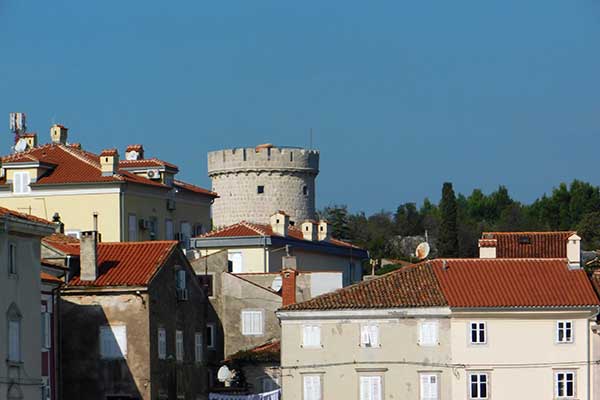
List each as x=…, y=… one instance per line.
x=75, y=153
x=527, y=232
x=26, y=152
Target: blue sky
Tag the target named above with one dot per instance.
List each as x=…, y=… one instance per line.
x=401, y=96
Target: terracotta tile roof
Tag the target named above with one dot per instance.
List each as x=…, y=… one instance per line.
x=466, y=283
x=193, y=188
x=251, y=229
x=128, y=263
x=46, y=277
x=147, y=163
x=541, y=244
x=109, y=152
x=67, y=245
x=267, y=352
x=26, y=217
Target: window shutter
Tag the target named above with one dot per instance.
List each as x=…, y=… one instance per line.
x=120, y=333
x=365, y=336
x=376, y=388
x=374, y=335
x=365, y=390
x=198, y=342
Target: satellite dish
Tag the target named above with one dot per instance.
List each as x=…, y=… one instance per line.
x=131, y=155
x=277, y=283
x=224, y=374
x=422, y=251
x=21, y=145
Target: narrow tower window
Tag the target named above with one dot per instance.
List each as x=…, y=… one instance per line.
x=260, y=189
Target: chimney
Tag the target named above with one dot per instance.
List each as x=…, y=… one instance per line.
x=574, y=251
x=58, y=134
x=288, y=287
x=309, y=230
x=280, y=223
x=109, y=162
x=487, y=248
x=134, y=152
x=88, y=257
x=30, y=139
x=59, y=227
x=324, y=230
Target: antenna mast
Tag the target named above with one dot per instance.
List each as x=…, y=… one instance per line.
x=18, y=125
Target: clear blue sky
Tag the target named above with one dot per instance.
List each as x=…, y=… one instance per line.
x=401, y=96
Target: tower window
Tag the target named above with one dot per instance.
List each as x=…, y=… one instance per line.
x=260, y=189
x=305, y=190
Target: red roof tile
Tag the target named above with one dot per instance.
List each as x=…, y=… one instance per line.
x=26, y=217
x=466, y=283
x=109, y=152
x=541, y=244
x=251, y=229
x=128, y=263
x=193, y=188
x=147, y=163
x=46, y=277
x=267, y=352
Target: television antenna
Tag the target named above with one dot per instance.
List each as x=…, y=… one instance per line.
x=17, y=124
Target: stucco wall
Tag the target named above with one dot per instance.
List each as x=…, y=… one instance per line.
x=341, y=360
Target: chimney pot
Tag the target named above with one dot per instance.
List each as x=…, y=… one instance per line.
x=88, y=256
x=324, y=231
x=487, y=248
x=58, y=134
x=280, y=223
x=134, y=152
x=288, y=288
x=309, y=230
x=574, y=251
x=109, y=162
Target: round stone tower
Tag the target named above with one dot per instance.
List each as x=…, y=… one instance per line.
x=254, y=183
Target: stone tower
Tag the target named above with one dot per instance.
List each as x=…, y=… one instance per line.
x=254, y=183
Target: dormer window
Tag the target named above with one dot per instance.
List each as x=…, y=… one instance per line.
x=21, y=181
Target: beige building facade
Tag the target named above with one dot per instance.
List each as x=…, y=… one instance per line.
x=20, y=318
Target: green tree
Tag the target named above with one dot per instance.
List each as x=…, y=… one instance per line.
x=408, y=220
x=447, y=242
x=337, y=216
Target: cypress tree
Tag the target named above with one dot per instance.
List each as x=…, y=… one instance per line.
x=448, y=235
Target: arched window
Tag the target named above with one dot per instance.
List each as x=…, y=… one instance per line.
x=14, y=317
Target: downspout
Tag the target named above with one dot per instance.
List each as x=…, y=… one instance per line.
x=122, y=214
x=589, y=354
x=265, y=254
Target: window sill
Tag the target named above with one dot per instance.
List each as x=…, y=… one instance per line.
x=311, y=347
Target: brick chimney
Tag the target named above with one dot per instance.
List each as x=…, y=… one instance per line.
x=324, y=230
x=58, y=134
x=487, y=248
x=109, y=162
x=88, y=256
x=574, y=251
x=134, y=152
x=280, y=223
x=288, y=287
x=309, y=230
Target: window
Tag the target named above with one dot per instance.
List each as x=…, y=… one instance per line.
x=12, y=259
x=46, y=391
x=162, y=343
x=236, y=261
x=428, y=333
x=370, y=388
x=429, y=386
x=260, y=189
x=565, y=384
x=478, y=385
x=133, y=228
x=311, y=336
x=113, y=341
x=206, y=281
x=169, y=233
x=210, y=335
x=180, y=279
x=179, y=345
x=46, y=330
x=478, y=333
x=369, y=335
x=14, y=340
x=21, y=181
x=312, y=387
x=564, y=331
x=153, y=227
x=76, y=233
x=252, y=322
x=305, y=190
x=186, y=233
x=198, y=346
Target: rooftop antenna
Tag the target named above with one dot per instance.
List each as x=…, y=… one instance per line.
x=311, y=139
x=18, y=124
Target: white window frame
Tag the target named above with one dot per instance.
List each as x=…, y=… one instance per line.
x=370, y=335
x=179, y=352
x=431, y=339
x=132, y=228
x=561, y=327
x=211, y=328
x=21, y=182
x=315, y=378
x=478, y=329
x=573, y=380
x=479, y=384
x=307, y=330
x=425, y=378
x=117, y=332
x=230, y=255
x=256, y=327
x=198, y=347
x=373, y=393
x=162, y=343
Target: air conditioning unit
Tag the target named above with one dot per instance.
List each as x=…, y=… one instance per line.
x=144, y=224
x=182, y=294
x=170, y=204
x=153, y=174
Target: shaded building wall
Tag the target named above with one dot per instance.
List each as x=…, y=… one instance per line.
x=170, y=377
x=85, y=375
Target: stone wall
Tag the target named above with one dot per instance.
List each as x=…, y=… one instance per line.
x=287, y=176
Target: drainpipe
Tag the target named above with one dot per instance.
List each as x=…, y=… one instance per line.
x=265, y=254
x=589, y=354
x=122, y=214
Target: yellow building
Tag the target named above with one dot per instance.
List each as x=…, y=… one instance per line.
x=135, y=199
